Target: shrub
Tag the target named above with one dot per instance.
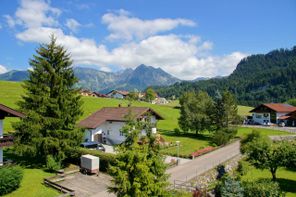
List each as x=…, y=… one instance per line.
x=229, y=187
x=52, y=165
x=10, y=179
x=263, y=187
x=223, y=136
x=177, y=131
x=243, y=167
x=105, y=158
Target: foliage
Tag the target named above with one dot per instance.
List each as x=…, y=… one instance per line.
x=150, y=94
x=263, y=187
x=138, y=170
x=195, y=112
x=256, y=79
x=223, y=136
x=224, y=110
x=230, y=187
x=177, y=131
x=265, y=154
x=51, y=104
x=133, y=96
x=243, y=167
x=51, y=164
x=10, y=179
x=292, y=101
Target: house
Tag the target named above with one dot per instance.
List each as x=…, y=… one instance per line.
x=160, y=101
x=6, y=140
x=105, y=124
x=119, y=94
x=100, y=95
x=268, y=113
x=87, y=93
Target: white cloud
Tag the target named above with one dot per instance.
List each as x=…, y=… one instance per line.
x=184, y=56
x=2, y=69
x=34, y=13
x=72, y=24
x=123, y=26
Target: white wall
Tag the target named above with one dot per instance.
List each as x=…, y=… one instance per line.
x=1, y=128
x=114, y=134
x=260, y=118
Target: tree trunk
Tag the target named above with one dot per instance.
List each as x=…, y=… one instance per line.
x=273, y=173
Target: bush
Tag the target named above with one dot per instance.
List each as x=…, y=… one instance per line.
x=10, y=179
x=105, y=158
x=243, y=167
x=223, y=136
x=177, y=131
x=51, y=164
x=229, y=187
x=263, y=187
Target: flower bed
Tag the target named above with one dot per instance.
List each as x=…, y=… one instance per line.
x=202, y=151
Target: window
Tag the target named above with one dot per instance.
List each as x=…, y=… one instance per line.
x=120, y=133
x=258, y=116
x=108, y=132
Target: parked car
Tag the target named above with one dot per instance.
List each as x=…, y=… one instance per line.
x=93, y=145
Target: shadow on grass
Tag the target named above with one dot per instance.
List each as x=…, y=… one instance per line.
x=206, y=137
x=24, y=161
x=287, y=185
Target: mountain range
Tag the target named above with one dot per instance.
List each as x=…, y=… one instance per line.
x=129, y=79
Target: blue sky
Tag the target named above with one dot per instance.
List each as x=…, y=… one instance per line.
x=186, y=38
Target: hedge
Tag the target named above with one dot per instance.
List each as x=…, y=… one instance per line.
x=263, y=187
x=10, y=179
x=105, y=158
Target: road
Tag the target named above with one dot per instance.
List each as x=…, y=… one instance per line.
x=202, y=164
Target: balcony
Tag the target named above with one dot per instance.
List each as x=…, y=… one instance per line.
x=6, y=140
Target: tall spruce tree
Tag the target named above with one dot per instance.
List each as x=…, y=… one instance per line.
x=51, y=104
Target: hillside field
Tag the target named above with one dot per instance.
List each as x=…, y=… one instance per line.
x=11, y=92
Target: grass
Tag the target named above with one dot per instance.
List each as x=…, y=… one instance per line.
x=32, y=185
x=285, y=177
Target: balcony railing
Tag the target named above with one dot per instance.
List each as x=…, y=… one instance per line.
x=6, y=140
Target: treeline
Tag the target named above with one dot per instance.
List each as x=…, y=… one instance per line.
x=257, y=79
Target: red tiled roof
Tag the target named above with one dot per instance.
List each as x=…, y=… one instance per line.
x=7, y=111
x=278, y=107
x=114, y=114
x=284, y=117
x=122, y=92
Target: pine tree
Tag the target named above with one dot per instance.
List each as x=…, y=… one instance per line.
x=52, y=106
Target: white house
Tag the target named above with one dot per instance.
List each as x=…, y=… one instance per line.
x=6, y=140
x=268, y=113
x=119, y=94
x=105, y=124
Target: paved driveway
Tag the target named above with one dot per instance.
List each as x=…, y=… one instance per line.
x=203, y=163
x=88, y=186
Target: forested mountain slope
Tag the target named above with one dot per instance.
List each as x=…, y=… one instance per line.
x=257, y=78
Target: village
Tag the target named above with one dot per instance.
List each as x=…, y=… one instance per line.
x=147, y=98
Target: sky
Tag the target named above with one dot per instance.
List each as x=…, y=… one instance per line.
x=186, y=38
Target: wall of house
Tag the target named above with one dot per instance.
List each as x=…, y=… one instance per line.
x=279, y=115
x=1, y=128
x=111, y=131
x=261, y=118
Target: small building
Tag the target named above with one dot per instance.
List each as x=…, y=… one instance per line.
x=105, y=125
x=6, y=140
x=160, y=101
x=88, y=93
x=119, y=94
x=289, y=119
x=268, y=113
x=100, y=94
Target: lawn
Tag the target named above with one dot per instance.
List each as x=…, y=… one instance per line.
x=32, y=185
x=286, y=178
